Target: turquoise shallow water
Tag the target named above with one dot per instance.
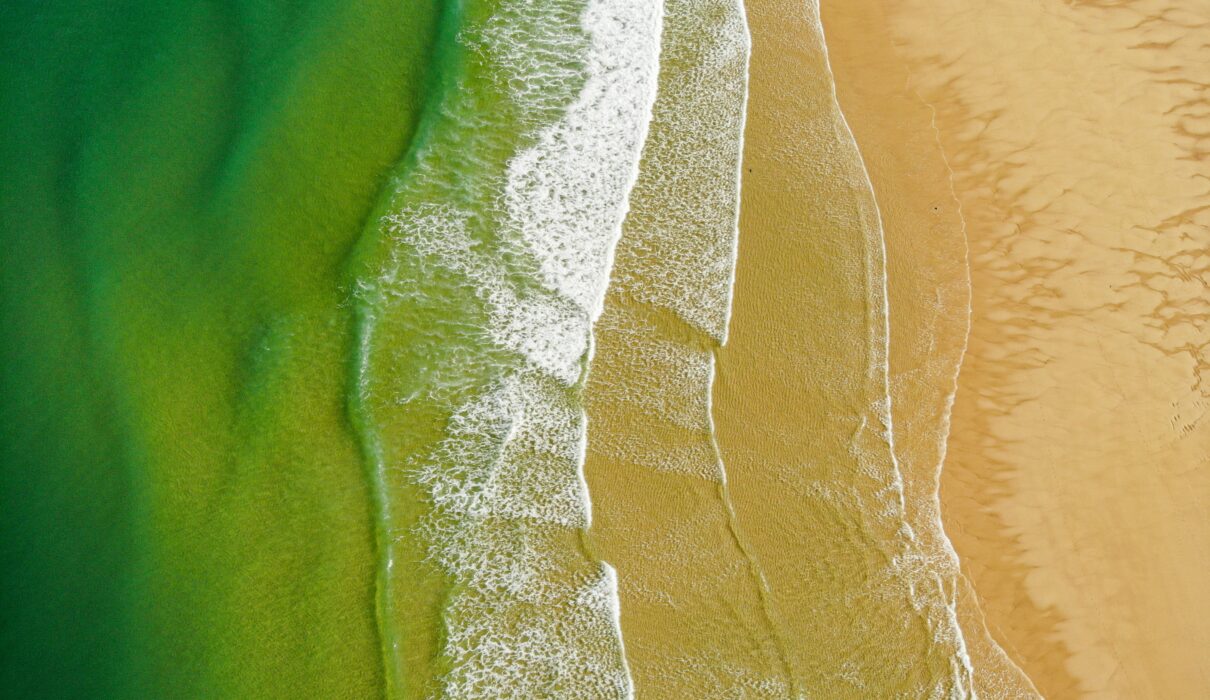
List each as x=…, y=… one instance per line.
x=185, y=504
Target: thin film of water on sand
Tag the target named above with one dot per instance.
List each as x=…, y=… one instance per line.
x=693, y=602
x=1077, y=468
x=802, y=403
x=928, y=290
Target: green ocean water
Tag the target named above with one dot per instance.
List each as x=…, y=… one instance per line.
x=471, y=357
x=296, y=311
x=184, y=509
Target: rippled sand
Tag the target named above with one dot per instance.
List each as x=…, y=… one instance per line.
x=1077, y=475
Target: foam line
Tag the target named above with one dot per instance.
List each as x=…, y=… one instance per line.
x=948, y=410
x=503, y=231
x=964, y=679
x=498, y=529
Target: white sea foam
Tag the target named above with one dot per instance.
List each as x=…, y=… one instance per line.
x=677, y=260
x=530, y=614
x=680, y=253
x=679, y=244
x=950, y=554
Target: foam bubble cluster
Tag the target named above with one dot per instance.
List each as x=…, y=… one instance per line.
x=526, y=241
x=676, y=258
x=664, y=386
x=679, y=251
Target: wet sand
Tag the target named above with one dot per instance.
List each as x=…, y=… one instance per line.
x=691, y=609
x=928, y=287
x=1076, y=480
x=692, y=614
x=800, y=398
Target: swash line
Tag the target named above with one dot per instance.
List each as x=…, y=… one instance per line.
x=960, y=638
x=756, y=571
x=595, y=315
x=948, y=410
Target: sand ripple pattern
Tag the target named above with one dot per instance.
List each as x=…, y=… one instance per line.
x=1078, y=133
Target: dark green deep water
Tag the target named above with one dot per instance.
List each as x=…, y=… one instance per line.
x=183, y=505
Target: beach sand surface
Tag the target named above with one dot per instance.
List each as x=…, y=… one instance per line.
x=928, y=288
x=1077, y=476
x=800, y=401
x=693, y=613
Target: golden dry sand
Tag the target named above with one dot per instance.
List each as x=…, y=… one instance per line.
x=1077, y=480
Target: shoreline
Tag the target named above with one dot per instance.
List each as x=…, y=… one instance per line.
x=1075, y=464
x=800, y=401
x=928, y=292
x=690, y=604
